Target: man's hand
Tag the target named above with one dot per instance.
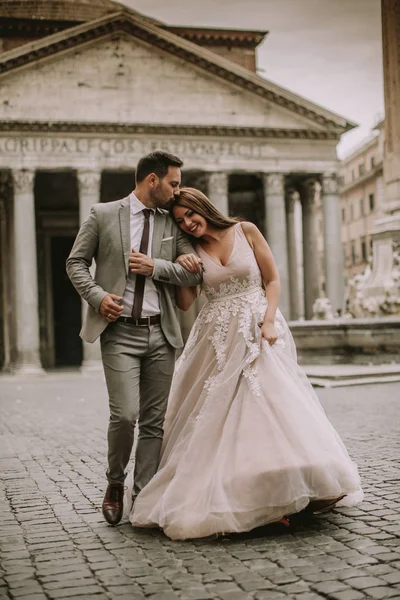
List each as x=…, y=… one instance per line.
x=141, y=263
x=111, y=307
x=190, y=262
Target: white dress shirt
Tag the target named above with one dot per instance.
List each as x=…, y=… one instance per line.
x=151, y=302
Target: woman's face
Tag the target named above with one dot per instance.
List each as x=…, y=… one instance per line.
x=189, y=221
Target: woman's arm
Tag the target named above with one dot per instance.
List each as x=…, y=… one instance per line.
x=185, y=297
x=269, y=273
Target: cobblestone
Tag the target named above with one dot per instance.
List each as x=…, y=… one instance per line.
x=54, y=543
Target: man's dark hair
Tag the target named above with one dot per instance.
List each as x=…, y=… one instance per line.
x=156, y=162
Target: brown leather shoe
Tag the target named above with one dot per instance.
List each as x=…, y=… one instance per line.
x=113, y=503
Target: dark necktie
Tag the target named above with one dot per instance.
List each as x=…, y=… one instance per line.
x=141, y=279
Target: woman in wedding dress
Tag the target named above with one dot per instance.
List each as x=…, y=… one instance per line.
x=246, y=440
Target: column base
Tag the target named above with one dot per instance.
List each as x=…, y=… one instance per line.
x=29, y=370
x=91, y=366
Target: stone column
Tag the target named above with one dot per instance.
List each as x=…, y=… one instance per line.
x=334, y=268
x=391, y=78
x=383, y=286
x=26, y=284
x=310, y=249
x=218, y=189
x=274, y=195
x=291, y=199
x=89, y=194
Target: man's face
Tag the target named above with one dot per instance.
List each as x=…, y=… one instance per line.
x=166, y=190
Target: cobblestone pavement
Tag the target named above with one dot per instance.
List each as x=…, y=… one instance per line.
x=55, y=544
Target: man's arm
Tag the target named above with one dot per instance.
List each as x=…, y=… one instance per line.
x=166, y=271
x=80, y=259
x=169, y=272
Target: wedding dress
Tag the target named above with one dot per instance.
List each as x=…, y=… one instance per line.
x=246, y=440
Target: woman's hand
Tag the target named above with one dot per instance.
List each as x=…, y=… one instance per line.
x=190, y=262
x=268, y=332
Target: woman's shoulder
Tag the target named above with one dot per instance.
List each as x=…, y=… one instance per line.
x=248, y=227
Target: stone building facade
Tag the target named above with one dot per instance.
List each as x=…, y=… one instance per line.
x=88, y=88
x=361, y=198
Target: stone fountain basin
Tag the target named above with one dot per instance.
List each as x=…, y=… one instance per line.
x=367, y=341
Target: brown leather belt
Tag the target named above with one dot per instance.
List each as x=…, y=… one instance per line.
x=143, y=322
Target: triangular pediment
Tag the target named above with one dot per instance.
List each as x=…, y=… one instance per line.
x=122, y=68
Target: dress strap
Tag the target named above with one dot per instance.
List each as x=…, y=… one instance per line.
x=239, y=230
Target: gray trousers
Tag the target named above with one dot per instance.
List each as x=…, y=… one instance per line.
x=138, y=365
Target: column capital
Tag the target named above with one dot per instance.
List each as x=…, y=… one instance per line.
x=218, y=180
x=23, y=180
x=329, y=183
x=274, y=183
x=88, y=181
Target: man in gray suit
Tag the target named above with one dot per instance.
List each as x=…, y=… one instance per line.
x=131, y=306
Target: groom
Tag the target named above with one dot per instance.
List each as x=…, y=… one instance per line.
x=131, y=306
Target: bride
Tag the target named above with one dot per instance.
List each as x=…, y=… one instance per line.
x=246, y=440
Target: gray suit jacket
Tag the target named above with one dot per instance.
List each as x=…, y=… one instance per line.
x=105, y=237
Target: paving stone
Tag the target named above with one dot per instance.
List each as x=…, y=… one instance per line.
x=391, y=578
x=362, y=583
x=328, y=587
x=347, y=595
x=234, y=595
x=381, y=593
x=271, y=595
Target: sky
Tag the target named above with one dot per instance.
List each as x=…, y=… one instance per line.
x=328, y=51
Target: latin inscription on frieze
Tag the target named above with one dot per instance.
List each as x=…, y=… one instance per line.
x=131, y=147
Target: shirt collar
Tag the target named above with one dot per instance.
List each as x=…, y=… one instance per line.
x=137, y=206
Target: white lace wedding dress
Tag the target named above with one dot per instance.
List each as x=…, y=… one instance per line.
x=246, y=439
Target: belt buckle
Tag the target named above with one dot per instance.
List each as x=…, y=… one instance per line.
x=138, y=324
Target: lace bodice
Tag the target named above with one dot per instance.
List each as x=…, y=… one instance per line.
x=241, y=274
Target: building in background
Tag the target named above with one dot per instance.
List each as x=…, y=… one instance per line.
x=360, y=200
x=87, y=88
x=361, y=190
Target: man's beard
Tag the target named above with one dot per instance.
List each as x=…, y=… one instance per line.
x=158, y=200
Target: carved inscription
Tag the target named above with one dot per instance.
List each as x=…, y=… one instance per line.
x=130, y=147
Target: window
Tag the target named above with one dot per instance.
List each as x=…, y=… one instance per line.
x=371, y=199
x=353, y=253
x=372, y=162
x=364, y=250
x=371, y=245
x=361, y=169
x=351, y=212
x=343, y=215
x=361, y=207
x=353, y=175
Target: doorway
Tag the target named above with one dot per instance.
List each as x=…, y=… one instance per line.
x=246, y=198
x=66, y=307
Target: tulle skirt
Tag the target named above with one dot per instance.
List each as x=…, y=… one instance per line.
x=246, y=438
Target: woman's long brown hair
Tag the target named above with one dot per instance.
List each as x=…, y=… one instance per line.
x=198, y=202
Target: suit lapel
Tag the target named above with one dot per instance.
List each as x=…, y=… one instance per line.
x=159, y=226
x=125, y=225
